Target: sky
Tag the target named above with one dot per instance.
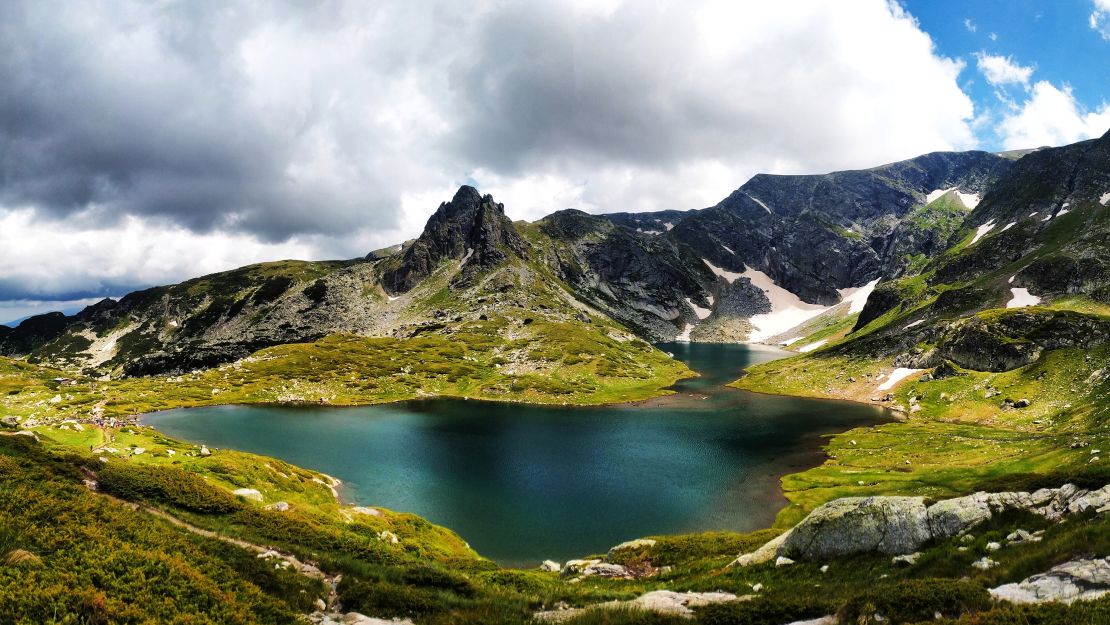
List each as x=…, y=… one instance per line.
x=144, y=143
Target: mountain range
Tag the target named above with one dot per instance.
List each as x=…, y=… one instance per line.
x=778, y=253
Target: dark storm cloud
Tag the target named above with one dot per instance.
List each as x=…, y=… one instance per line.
x=146, y=111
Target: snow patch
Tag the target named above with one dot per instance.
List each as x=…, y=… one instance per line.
x=935, y=194
x=789, y=341
x=787, y=309
x=857, y=296
x=897, y=376
x=1011, y=280
x=1105, y=199
x=982, y=230
x=729, y=276
x=1063, y=211
x=915, y=323
x=812, y=346
x=1008, y=226
x=760, y=202
x=729, y=250
x=1033, y=214
x=392, y=298
x=970, y=200
x=684, y=336
x=1022, y=298
x=469, y=253
x=702, y=313
x=668, y=225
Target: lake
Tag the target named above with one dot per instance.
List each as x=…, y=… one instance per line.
x=524, y=483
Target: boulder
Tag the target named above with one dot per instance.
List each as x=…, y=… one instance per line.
x=891, y=525
x=953, y=517
x=1078, y=580
x=10, y=421
x=248, y=493
x=678, y=603
x=766, y=553
x=576, y=567
x=204, y=451
x=632, y=544
x=606, y=569
x=551, y=566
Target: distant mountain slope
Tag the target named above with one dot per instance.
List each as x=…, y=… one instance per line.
x=775, y=261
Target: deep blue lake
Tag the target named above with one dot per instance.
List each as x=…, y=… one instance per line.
x=524, y=483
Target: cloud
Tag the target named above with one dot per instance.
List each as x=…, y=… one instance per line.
x=1002, y=70
x=970, y=25
x=233, y=133
x=1100, y=18
x=1052, y=116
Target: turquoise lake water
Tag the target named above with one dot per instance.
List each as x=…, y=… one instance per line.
x=526, y=483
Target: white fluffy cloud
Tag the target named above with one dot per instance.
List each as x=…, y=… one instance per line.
x=160, y=141
x=1052, y=116
x=1100, y=18
x=1002, y=70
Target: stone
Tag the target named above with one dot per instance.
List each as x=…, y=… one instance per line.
x=248, y=493
x=575, y=567
x=783, y=561
x=366, y=511
x=993, y=546
x=953, y=517
x=984, y=564
x=908, y=559
x=354, y=618
x=632, y=544
x=678, y=603
x=766, y=553
x=204, y=451
x=1018, y=537
x=279, y=506
x=606, y=569
x=1021, y=403
x=11, y=421
x=1078, y=580
x=389, y=537
x=891, y=525
x=551, y=566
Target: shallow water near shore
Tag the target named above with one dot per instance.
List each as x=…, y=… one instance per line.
x=523, y=483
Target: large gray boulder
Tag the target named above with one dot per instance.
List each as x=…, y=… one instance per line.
x=1078, y=580
x=891, y=525
x=953, y=517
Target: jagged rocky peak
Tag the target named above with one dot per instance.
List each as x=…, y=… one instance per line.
x=470, y=227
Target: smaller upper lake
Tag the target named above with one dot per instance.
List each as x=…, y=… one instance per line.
x=523, y=483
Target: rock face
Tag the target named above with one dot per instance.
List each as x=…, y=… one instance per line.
x=900, y=525
x=1078, y=580
x=891, y=525
x=471, y=227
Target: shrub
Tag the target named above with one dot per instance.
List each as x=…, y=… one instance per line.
x=764, y=610
x=916, y=600
x=166, y=485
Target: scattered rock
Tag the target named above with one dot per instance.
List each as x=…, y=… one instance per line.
x=1078, y=580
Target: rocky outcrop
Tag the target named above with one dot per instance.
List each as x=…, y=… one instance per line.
x=470, y=227
x=901, y=525
x=1078, y=580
